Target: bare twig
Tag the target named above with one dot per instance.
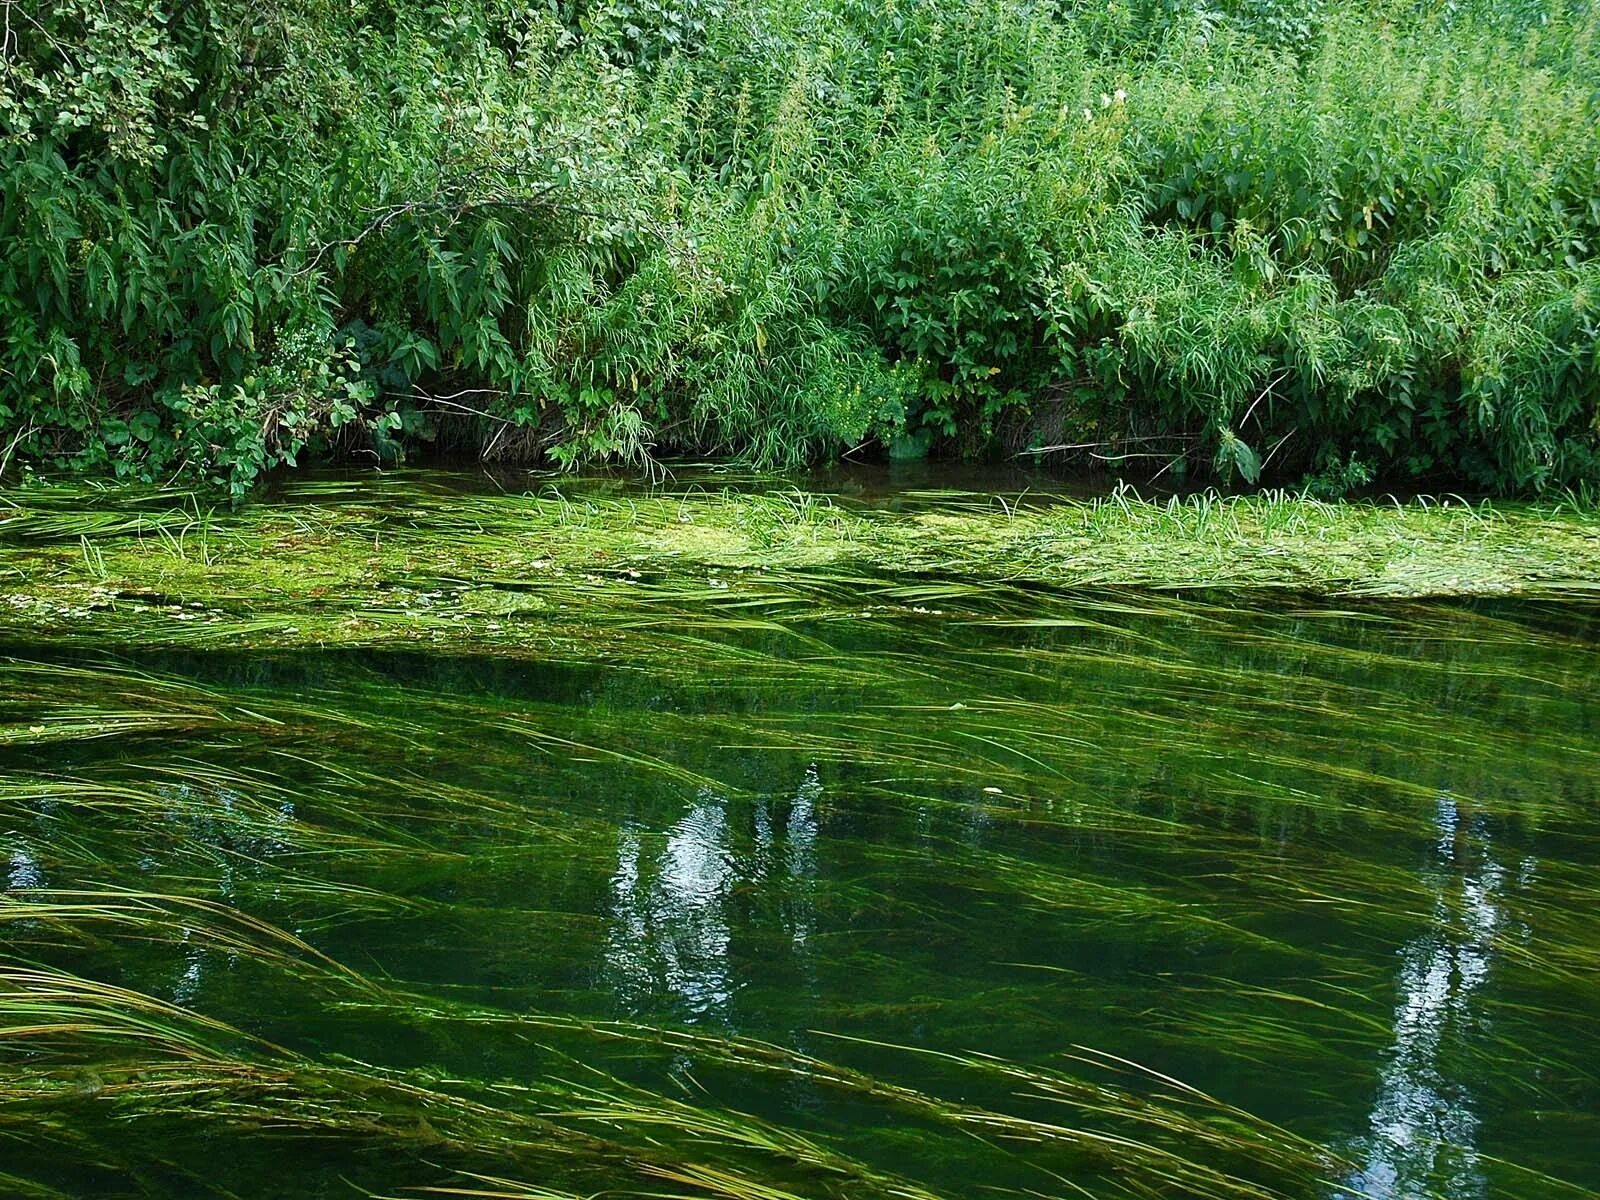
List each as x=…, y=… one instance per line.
x=451, y=210
x=1271, y=383
x=1265, y=462
x=1157, y=437
x=5, y=459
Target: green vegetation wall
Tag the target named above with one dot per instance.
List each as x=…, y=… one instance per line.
x=1342, y=240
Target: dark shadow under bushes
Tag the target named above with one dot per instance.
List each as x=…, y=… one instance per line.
x=1258, y=237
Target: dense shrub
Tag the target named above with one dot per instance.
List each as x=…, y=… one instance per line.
x=1316, y=238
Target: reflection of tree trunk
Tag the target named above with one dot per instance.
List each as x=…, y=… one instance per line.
x=1424, y=1123
x=669, y=934
x=672, y=911
x=801, y=857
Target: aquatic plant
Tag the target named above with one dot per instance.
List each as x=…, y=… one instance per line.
x=435, y=559
x=989, y=891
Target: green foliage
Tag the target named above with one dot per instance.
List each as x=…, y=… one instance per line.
x=1335, y=477
x=1260, y=235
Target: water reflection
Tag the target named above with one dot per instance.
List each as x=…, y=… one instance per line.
x=670, y=933
x=671, y=896
x=240, y=838
x=799, y=858
x=1424, y=1122
x=23, y=870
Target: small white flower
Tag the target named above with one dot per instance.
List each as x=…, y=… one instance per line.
x=1087, y=115
x=1105, y=100
x=1121, y=95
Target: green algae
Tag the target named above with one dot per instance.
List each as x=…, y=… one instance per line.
x=429, y=557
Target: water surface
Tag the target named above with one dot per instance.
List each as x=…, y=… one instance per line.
x=982, y=895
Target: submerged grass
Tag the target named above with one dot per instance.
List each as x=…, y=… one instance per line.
x=350, y=846
x=756, y=868
x=174, y=1064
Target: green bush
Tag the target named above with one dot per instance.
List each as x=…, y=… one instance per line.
x=1256, y=236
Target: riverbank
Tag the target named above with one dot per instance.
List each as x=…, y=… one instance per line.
x=1302, y=239
x=434, y=557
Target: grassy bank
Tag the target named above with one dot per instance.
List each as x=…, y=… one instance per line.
x=417, y=558
x=1279, y=238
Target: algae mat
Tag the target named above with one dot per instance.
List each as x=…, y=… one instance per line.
x=455, y=558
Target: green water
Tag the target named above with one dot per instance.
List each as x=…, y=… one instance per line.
x=1010, y=894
